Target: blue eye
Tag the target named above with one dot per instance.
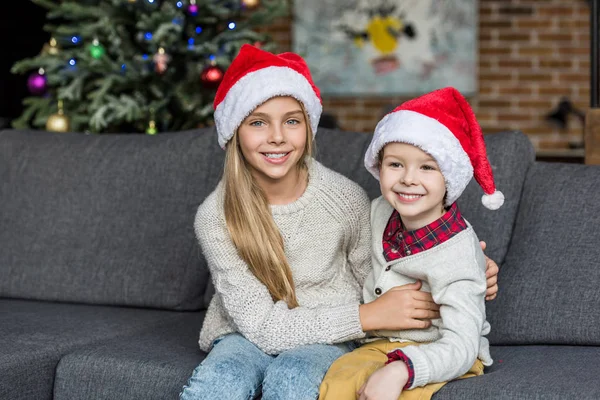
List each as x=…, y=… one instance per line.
x=256, y=123
x=293, y=122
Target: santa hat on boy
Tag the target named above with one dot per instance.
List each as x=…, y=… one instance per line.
x=256, y=76
x=442, y=124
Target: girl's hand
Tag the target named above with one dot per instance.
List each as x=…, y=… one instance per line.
x=385, y=383
x=401, y=307
x=491, y=273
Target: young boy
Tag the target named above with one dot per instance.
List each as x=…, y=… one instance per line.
x=424, y=153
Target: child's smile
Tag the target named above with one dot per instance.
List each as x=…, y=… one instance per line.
x=412, y=183
x=408, y=197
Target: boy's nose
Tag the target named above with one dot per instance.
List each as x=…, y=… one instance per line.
x=408, y=178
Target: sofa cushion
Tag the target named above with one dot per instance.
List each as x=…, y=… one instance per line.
x=549, y=281
x=511, y=154
x=105, y=219
x=532, y=373
x=35, y=335
x=154, y=365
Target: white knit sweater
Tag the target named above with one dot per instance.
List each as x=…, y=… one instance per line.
x=454, y=273
x=327, y=241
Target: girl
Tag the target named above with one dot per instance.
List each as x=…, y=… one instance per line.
x=287, y=242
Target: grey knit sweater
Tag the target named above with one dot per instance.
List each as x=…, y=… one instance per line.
x=327, y=241
x=454, y=273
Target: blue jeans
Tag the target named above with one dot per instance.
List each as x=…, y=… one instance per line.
x=237, y=369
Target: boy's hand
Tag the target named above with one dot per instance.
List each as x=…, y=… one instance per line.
x=491, y=273
x=385, y=383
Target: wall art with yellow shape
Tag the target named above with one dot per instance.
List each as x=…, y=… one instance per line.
x=388, y=47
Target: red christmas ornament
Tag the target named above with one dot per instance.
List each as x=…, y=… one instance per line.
x=211, y=76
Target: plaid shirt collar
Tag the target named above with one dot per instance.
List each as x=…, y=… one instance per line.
x=398, y=243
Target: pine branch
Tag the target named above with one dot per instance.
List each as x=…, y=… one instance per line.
x=73, y=90
x=73, y=11
x=47, y=4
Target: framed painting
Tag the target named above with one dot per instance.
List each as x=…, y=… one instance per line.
x=388, y=47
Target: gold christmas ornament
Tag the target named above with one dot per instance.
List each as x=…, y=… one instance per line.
x=251, y=3
x=58, y=122
x=50, y=47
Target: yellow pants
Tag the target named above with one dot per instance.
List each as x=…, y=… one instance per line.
x=349, y=372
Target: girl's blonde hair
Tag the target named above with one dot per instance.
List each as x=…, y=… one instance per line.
x=251, y=224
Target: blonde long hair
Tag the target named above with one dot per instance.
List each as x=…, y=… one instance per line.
x=251, y=224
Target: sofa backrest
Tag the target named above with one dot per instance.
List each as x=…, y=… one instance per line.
x=511, y=154
x=549, y=281
x=108, y=219
x=105, y=219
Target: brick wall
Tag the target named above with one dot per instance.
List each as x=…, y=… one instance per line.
x=531, y=54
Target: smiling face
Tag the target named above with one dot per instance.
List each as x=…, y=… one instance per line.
x=273, y=141
x=411, y=181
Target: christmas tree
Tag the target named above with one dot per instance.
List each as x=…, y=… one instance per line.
x=136, y=65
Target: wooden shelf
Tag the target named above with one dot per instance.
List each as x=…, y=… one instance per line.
x=566, y=153
x=576, y=156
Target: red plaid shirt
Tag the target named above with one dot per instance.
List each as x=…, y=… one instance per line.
x=398, y=355
x=398, y=243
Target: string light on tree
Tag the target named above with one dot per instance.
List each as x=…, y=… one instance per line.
x=58, y=122
x=37, y=82
x=96, y=49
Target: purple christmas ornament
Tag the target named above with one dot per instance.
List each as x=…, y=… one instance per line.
x=37, y=83
x=193, y=8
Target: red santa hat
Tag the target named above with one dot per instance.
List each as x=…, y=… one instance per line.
x=256, y=76
x=443, y=124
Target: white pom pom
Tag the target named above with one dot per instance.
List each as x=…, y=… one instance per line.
x=493, y=201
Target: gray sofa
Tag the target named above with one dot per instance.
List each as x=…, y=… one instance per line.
x=103, y=286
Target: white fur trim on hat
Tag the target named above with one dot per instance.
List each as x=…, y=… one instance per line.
x=493, y=201
x=429, y=135
x=255, y=88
